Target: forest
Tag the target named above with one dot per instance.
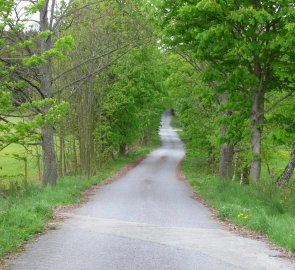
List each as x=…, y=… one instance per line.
x=83, y=85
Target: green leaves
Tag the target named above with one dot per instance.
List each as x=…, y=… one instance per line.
x=244, y=48
x=5, y=101
x=27, y=131
x=62, y=45
x=65, y=43
x=32, y=9
x=45, y=34
x=132, y=106
x=250, y=16
x=34, y=60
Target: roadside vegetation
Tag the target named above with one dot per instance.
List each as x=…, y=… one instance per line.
x=25, y=212
x=233, y=93
x=259, y=206
x=81, y=95
x=83, y=84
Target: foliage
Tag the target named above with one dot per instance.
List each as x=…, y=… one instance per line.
x=132, y=104
x=244, y=49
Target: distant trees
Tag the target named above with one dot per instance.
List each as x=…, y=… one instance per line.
x=246, y=49
x=88, y=79
x=133, y=101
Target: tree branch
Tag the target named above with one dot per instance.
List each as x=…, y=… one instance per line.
x=279, y=101
x=87, y=61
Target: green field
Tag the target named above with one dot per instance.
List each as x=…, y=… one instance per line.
x=12, y=169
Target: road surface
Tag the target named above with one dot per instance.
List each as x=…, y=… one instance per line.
x=147, y=220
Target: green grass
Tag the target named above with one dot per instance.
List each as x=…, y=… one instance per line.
x=13, y=169
x=261, y=207
x=23, y=214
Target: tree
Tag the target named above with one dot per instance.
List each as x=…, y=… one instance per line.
x=132, y=106
x=288, y=172
x=33, y=55
x=244, y=37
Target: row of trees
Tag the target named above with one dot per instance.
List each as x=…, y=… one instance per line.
x=86, y=80
x=80, y=78
x=235, y=86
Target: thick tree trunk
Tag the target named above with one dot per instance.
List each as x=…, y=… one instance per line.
x=288, y=172
x=49, y=158
x=257, y=120
x=226, y=161
x=227, y=149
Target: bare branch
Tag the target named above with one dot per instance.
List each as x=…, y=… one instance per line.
x=97, y=71
x=87, y=61
x=52, y=14
x=66, y=13
x=279, y=101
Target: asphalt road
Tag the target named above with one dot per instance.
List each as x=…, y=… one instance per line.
x=146, y=220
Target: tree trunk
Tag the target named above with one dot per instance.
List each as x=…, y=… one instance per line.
x=49, y=158
x=86, y=128
x=122, y=150
x=38, y=163
x=60, y=161
x=257, y=120
x=244, y=179
x=227, y=149
x=226, y=161
x=288, y=172
x=45, y=70
x=65, y=167
x=75, y=159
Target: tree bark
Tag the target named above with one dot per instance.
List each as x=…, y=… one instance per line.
x=257, y=120
x=226, y=161
x=86, y=128
x=49, y=157
x=60, y=161
x=227, y=149
x=288, y=172
x=122, y=150
x=38, y=163
x=75, y=159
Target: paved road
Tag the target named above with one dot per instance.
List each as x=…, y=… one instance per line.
x=146, y=220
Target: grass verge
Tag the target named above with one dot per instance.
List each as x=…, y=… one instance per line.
x=24, y=214
x=261, y=207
